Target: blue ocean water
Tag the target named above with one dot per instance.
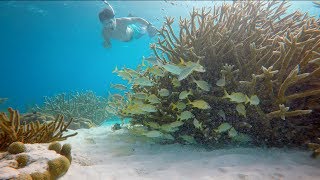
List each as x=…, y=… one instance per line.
x=50, y=47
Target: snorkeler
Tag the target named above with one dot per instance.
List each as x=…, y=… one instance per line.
x=124, y=29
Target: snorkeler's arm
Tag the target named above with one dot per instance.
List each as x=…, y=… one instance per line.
x=134, y=20
x=152, y=31
x=106, y=42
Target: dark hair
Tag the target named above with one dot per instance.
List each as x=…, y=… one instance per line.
x=106, y=14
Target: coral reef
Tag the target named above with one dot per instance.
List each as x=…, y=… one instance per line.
x=22, y=160
x=12, y=130
x=36, y=116
x=55, y=146
x=34, y=163
x=58, y=167
x=16, y=148
x=87, y=109
x=240, y=72
x=66, y=151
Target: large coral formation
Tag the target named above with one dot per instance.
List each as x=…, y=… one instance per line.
x=36, y=116
x=86, y=108
x=245, y=71
x=34, y=163
x=12, y=130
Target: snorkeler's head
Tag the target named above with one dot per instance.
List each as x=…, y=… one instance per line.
x=106, y=14
x=106, y=17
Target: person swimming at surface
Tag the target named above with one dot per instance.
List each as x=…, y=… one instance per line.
x=125, y=28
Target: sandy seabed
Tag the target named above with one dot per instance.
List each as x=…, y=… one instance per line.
x=100, y=154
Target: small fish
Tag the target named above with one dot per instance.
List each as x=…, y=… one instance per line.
x=200, y=104
x=222, y=114
x=115, y=96
x=176, y=70
x=111, y=110
x=172, y=127
x=133, y=73
x=180, y=106
x=175, y=82
x=153, y=99
x=202, y=84
x=221, y=82
x=164, y=92
x=140, y=95
x=153, y=134
x=198, y=67
x=254, y=100
x=118, y=86
x=188, y=139
x=137, y=101
x=186, y=72
x=148, y=108
x=197, y=124
x=153, y=125
x=185, y=94
x=3, y=100
x=185, y=115
x=223, y=128
x=244, y=125
x=168, y=136
x=236, y=97
x=133, y=109
x=123, y=74
x=242, y=138
x=143, y=81
x=241, y=109
x=151, y=60
x=232, y=133
x=156, y=70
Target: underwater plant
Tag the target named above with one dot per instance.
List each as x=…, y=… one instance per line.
x=239, y=72
x=86, y=108
x=12, y=130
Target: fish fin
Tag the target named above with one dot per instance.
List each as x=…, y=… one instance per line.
x=226, y=95
x=143, y=61
x=115, y=69
x=182, y=62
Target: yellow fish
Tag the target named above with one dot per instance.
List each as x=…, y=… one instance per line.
x=200, y=104
x=236, y=97
x=241, y=109
x=185, y=94
x=202, y=84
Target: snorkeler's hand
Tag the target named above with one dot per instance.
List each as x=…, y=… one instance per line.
x=106, y=44
x=152, y=31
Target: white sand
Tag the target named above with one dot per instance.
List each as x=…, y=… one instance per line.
x=102, y=154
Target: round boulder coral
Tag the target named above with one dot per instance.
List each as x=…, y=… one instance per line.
x=55, y=146
x=22, y=160
x=41, y=176
x=58, y=167
x=16, y=148
x=66, y=151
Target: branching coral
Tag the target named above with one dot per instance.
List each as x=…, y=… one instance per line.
x=78, y=106
x=11, y=130
x=266, y=59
